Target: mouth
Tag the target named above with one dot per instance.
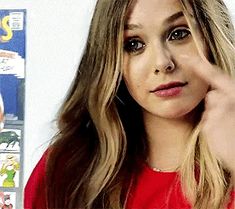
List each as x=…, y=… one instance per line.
x=171, y=89
x=170, y=85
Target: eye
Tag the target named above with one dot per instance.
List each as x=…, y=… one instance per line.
x=178, y=34
x=133, y=45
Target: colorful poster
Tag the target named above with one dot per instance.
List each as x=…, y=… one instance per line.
x=12, y=97
x=10, y=140
x=12, y=64
x=9, y=170
x=7, y=200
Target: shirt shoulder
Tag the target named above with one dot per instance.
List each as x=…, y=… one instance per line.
x=35, y=189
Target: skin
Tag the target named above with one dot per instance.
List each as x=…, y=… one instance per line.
x=219, y=135
x=152, y=44
x=160, y=43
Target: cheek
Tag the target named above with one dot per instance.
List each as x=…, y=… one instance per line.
x=201, y=88
x=138, y=64
x=133, y=84
x=134, y=73
x=185, y=52
x=198, y=88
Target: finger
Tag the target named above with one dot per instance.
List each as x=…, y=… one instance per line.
x=211, y=74
x=212, y=98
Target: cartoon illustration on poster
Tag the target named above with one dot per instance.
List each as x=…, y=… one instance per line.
x=12, y=65
x=9, y=170
x=10, y=140
x=7, y=200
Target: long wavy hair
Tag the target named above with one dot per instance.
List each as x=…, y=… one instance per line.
x=101, y=137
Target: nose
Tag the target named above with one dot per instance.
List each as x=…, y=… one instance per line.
x=163, y=60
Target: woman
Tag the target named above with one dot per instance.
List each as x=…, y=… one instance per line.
x=149, y=120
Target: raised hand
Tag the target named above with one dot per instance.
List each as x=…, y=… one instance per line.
x=218, y=119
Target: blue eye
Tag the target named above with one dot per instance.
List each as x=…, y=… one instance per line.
x=133, y=45
x=178, y=34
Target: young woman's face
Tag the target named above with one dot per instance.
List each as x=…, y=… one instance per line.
x=158, y=45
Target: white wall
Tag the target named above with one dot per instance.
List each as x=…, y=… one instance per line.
x=56, y=32
x=231, y=6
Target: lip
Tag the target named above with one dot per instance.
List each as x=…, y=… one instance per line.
x=169, y=85
x=170, y=89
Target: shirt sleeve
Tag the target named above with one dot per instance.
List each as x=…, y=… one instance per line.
x=35, y=189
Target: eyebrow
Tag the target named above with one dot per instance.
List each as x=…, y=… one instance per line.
x=132, y=26
x=166, y=21
x=173, y=17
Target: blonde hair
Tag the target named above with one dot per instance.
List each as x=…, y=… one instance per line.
x=92, y=140
x=100, y=126
x=212, y=187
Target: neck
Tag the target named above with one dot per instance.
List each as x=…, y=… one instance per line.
x=167, y=139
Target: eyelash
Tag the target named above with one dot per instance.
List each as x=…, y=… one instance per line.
x=183, y=31
x=128, y=45
x=131, y=45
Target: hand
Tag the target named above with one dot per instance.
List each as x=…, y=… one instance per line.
x=218, y=119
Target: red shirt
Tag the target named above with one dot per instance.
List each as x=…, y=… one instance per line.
x=35, y=190
x=156, y=190
x=151, y=190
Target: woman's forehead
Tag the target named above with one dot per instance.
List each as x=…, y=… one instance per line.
x=160, y=9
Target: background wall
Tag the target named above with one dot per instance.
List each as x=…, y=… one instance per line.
x=56, y=32
x=231, y=6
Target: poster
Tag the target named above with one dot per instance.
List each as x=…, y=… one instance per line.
x=9, y=170
x=10, y=140
x=7, y=200
x=12, y=97
x=12, y=64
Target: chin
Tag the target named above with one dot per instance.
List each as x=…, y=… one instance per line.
x=179, y=113
x=174, y=115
